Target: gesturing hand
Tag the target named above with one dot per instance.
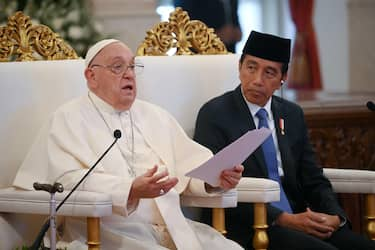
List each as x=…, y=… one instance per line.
x=229, y=178
x=151, y=185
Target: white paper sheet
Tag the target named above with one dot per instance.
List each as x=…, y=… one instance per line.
x=230, y=156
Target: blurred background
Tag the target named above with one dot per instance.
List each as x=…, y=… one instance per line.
x=343, y=29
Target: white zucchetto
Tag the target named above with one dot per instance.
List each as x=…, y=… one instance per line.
x=96, y=48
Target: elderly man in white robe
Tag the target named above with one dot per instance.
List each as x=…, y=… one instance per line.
x=144, y=172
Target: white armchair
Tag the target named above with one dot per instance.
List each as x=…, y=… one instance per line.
x=30, y=91
x=181, y=84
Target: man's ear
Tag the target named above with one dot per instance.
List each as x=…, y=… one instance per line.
x=90, y=78
x=283, y=79
x=89, y=74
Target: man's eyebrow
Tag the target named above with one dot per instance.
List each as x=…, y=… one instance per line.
x=119, y=58
x=250, y=62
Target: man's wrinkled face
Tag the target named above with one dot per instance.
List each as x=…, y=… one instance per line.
x=111, y=76
x=259, y=78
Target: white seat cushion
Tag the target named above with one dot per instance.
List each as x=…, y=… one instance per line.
x=258, y=190
x=81, y=203
x=226, y=199
x=351, y=181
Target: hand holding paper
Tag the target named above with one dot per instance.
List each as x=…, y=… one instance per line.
x=230, y=156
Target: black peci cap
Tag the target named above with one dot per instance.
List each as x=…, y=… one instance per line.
x=268, y=47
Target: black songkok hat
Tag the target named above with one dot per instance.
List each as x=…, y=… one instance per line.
x=268, y=47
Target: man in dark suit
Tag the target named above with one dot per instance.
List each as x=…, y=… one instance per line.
x=308, y=215
x=218, y=14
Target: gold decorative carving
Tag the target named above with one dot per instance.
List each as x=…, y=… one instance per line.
x=20, y=40
x=343, y=147
x=187, y=36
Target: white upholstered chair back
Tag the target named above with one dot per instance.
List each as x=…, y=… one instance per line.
x=29, y=92
x=182, y=84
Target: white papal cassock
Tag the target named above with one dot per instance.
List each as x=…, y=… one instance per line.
x=81, y=130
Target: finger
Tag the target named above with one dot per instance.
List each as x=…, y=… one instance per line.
x=159, y=176
x=318, y=217
x=167, y=185
x=239, y=168
x=150, y=172
x=321, y=235
x=233, y=181
x=227, y=183
x=319, y=230
x=319, y=227
x=231, y=173
x=231, y=177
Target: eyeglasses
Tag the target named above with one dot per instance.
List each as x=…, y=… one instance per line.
x=121, y=68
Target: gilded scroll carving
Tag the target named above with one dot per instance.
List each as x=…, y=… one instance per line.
x=20, y=40
x=343, y=147
x=187, y=37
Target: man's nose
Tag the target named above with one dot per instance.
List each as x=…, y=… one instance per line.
x=129, y=72
x=258, y=77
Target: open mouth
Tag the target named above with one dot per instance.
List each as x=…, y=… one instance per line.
x=127, y=87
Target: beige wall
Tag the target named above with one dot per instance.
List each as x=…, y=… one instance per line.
x=361, y=17
x=126, y=20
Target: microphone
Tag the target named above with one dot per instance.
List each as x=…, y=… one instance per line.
x=370, y=105
x=58, y=186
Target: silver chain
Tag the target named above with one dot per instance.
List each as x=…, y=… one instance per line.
x=131, y=170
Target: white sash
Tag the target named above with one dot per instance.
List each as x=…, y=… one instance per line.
x=182, y=234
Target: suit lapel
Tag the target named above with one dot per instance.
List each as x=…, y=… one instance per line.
x=278, y=114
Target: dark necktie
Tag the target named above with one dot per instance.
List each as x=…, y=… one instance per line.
x=269, y=152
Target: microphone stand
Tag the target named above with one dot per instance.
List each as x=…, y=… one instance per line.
x=52, y=189
x=55, y=187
